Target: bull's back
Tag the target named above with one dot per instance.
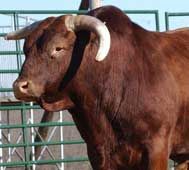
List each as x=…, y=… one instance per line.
x=166, y=61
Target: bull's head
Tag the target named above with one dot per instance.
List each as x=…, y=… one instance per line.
x=48, y=49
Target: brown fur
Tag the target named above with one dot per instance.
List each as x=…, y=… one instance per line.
x=132, y=108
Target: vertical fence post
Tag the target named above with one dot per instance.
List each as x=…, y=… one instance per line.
x=94, y=4
x=1, y=142
x=32, y=137
x=25, y=135
x=9, y=135
x=157, y=21
x=166, y=21
x=62, y=139
x=18, y=49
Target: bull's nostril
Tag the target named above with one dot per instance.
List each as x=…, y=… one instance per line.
x=23, y=86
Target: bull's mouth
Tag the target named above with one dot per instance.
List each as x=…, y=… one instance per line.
x=26, y=98
x=57, y=103
x=49, y=102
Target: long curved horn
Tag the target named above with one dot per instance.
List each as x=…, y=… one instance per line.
x=22, y=33
x=84, y=22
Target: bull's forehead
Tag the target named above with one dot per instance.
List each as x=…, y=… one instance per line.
x=46, y=30
x=58, y=24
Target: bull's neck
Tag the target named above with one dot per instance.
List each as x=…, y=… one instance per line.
x=94, y=78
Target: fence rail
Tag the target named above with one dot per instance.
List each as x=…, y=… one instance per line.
x=169, y=15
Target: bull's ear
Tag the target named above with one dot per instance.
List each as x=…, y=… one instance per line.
x=22, y=33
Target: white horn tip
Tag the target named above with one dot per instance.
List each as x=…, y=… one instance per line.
x=104, y=43
x=104, y=48
x=6, y=37
x=99, y=58
x=9, y=36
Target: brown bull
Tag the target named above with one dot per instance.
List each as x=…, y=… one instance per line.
x=131, y=108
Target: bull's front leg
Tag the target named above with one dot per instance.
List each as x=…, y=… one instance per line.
x=99, y=136
x=158, y=154
x=100, y=158
x=42, y=132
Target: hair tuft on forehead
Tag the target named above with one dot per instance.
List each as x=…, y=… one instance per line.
x=32, y=38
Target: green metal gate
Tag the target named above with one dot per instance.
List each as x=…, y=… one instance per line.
x=175, y=15
x=17, y=136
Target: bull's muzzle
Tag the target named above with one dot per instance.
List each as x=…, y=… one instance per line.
x=24, y=90
x=21, y=87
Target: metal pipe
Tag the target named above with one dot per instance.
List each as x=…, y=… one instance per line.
x=94, y=4
x=1, y=149
x=62, y=139
x=32, y=137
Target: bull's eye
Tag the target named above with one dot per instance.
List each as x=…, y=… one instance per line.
x=56, y=52
x=58, y=48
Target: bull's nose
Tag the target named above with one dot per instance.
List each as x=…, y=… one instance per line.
x=21, y=86
x=26, y=90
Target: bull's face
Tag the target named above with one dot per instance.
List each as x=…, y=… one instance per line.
x=47, y=59
x=48, y=49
